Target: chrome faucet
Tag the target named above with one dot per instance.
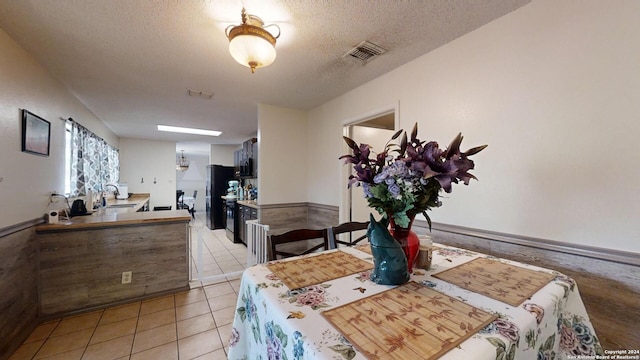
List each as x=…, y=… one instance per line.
x=117, y=192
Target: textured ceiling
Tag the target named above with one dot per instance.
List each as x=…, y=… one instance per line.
x=131, y=61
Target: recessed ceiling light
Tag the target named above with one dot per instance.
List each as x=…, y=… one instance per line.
x=185, y=130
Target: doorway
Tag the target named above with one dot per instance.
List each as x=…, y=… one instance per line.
x=374, y=129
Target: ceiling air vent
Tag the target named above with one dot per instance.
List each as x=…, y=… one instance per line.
x=365, y=51
x=200, y=94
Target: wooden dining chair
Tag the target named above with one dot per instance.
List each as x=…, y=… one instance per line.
x=192, y=209
x=344, y=228
x=278, y=243
x=179, y=203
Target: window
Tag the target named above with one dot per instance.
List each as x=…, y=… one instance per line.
x=90, y=163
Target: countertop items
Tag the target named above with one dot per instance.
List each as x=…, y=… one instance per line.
x=119, y=213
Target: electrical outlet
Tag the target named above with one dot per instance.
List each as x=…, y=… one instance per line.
x=126, y=277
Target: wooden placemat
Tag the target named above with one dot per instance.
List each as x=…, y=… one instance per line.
x=364, y=248
x=500, y=281
x=318, y=269
x=408, y=322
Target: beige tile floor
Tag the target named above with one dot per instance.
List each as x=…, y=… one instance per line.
x=220, y=256
x=194, y=324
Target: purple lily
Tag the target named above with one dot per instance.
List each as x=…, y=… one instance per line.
x=411, y=181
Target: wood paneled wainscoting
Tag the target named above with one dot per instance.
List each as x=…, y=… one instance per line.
x=284, y=217
x=18, y=285
x=289, y=216
x=608, y=280
x=82, y=269
x=53, y=270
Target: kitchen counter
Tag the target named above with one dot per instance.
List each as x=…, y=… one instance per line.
x=118, y=213
x=82, y=260
x=134, y=203
x=249, y=203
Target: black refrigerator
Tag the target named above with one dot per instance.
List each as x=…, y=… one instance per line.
x=218, y=177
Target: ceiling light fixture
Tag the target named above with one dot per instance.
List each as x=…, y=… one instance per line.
x=184, y=130
x=250, y=44
x=182, y=164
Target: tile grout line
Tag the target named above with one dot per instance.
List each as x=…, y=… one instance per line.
x=45, y=340
x=215, y=323
x=135, y=331
x=222, y=342
x=92, y=334
x=175, y=313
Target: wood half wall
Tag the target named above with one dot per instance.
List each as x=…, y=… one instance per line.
x=18, y=285
x=608, y=280
x=284, y=217
x=51, y=275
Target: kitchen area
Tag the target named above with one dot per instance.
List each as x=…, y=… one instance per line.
x=230, y=190
x=232, y=193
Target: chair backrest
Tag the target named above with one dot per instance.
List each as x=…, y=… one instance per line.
x=195, y=193
x=295, y=236
x=179, y=194
x=343, y=228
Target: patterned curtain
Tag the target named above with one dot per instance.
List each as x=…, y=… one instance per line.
x=94, y=163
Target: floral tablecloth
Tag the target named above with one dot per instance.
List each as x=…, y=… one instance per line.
x=274, y=322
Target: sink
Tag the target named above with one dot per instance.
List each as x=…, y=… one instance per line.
x=121, y=206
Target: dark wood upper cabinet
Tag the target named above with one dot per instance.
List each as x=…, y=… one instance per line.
x=245, y=159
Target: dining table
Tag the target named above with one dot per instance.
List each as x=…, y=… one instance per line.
x=465, y=305
x=189, y=201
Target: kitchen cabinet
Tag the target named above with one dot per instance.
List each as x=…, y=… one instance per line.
x=245, y=213
x=254, y=156
x=237, y=162
x=244, y=160
x=241, y=224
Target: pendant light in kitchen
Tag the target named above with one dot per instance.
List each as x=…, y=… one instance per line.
x=182, y=164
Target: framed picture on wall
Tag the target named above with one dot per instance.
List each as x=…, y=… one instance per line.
x=36, y=134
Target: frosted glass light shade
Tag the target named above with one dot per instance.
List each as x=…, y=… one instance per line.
x=250, y=44
x=252, y=51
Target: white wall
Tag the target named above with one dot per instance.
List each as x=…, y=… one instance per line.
x=222, y=154
x=553, y=88
x=149, y=160
x=377, y=138
x=194, y=179
x=282, y=164
x=26, y=180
